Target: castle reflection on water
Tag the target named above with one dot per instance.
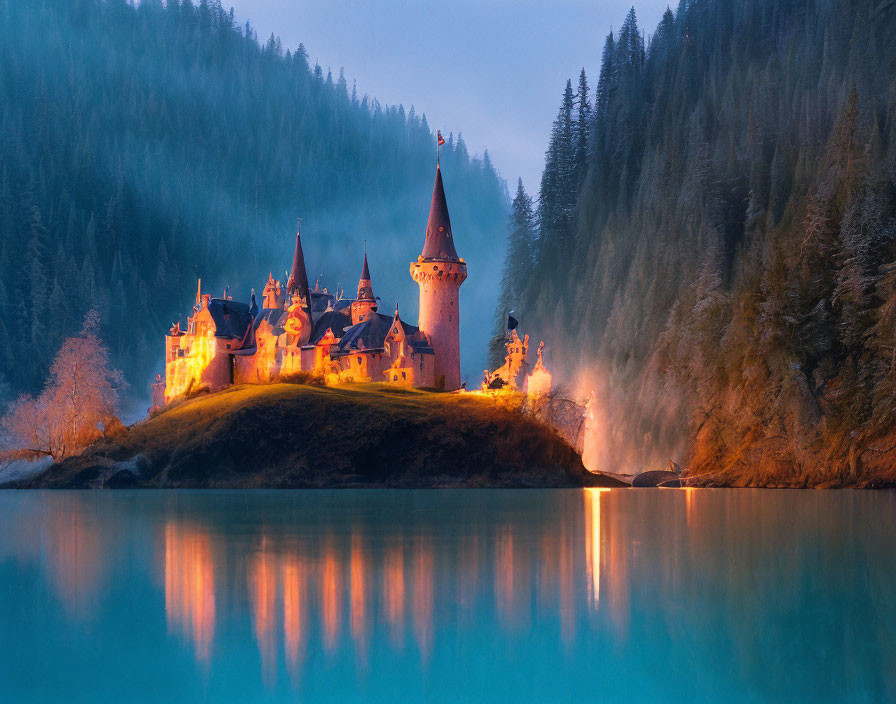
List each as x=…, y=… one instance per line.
x=455, y=593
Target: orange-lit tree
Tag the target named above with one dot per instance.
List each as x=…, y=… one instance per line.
x=78, y=403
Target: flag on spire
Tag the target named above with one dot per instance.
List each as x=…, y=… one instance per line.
x=441, y=138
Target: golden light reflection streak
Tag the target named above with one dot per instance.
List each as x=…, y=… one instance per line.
x=294, y=613
x=75, y=558
x=331, y=593
x=263, y=592
x=357, y=569
x=189, y=587
x=592, y=541
x=393, y=591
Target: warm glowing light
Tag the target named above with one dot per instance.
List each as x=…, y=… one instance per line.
x=183, y=371
x=294, y=613
x=263, y=592
x=689, y=503
x=357, y=575
x=330, y=597
x=190, y=587
x=592, y=541
x=393, y=590
x=75, y=560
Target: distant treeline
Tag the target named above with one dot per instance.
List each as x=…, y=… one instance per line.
x=714, y=240
x=143, y=146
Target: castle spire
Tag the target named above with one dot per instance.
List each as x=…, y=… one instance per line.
x=365, y=304
x=439, y=272
x=439, y=242
x=365, y=286
x=298, y=278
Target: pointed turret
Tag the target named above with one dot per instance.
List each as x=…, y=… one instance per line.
x=365, y=287
x=365, y=303
x=297, y=285
x=439, y=272
x=439, y=242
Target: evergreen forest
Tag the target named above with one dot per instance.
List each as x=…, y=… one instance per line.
x=143, y=145
x=712, y=249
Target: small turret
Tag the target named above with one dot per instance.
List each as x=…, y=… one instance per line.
x=365, y=304
x=297, y=285
x=272, y=294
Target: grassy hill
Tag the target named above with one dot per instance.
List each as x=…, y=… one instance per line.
x=295, y=436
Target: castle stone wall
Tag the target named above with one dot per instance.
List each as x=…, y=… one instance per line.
x=439, y=283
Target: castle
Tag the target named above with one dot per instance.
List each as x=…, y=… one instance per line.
x=311, y=331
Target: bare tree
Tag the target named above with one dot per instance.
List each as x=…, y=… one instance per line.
x=78, y=402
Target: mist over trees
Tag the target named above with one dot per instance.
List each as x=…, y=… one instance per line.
x=719, y=259
x=143, y=146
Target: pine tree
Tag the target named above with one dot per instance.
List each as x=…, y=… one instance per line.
x=518, y=268
x=582, y=129
x=733, y=242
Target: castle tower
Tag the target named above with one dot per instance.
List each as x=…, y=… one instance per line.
x=365, y=304
x=297, y=285
x=439, y=272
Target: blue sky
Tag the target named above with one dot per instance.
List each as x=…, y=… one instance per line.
x=493, y=69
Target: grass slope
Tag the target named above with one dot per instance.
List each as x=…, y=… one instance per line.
x=294, y=436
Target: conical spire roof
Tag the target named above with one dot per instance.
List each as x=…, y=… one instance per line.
x=298, y=278
x=439, y=242
x=365, y=286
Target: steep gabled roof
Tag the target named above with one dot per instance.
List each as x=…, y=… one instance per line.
x=439, y=243
x=373, y=332
x=231, y=318
x=335, y=320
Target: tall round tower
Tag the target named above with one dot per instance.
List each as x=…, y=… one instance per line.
x=439, y=272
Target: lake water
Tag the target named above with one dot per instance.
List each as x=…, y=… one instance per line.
x=392, y=596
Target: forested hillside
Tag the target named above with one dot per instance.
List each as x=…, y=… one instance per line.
x=141, y=146
x=713, y=247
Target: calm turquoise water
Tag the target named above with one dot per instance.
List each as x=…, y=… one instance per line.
x=392, y=596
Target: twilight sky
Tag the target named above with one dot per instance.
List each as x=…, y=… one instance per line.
x=491, y=69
